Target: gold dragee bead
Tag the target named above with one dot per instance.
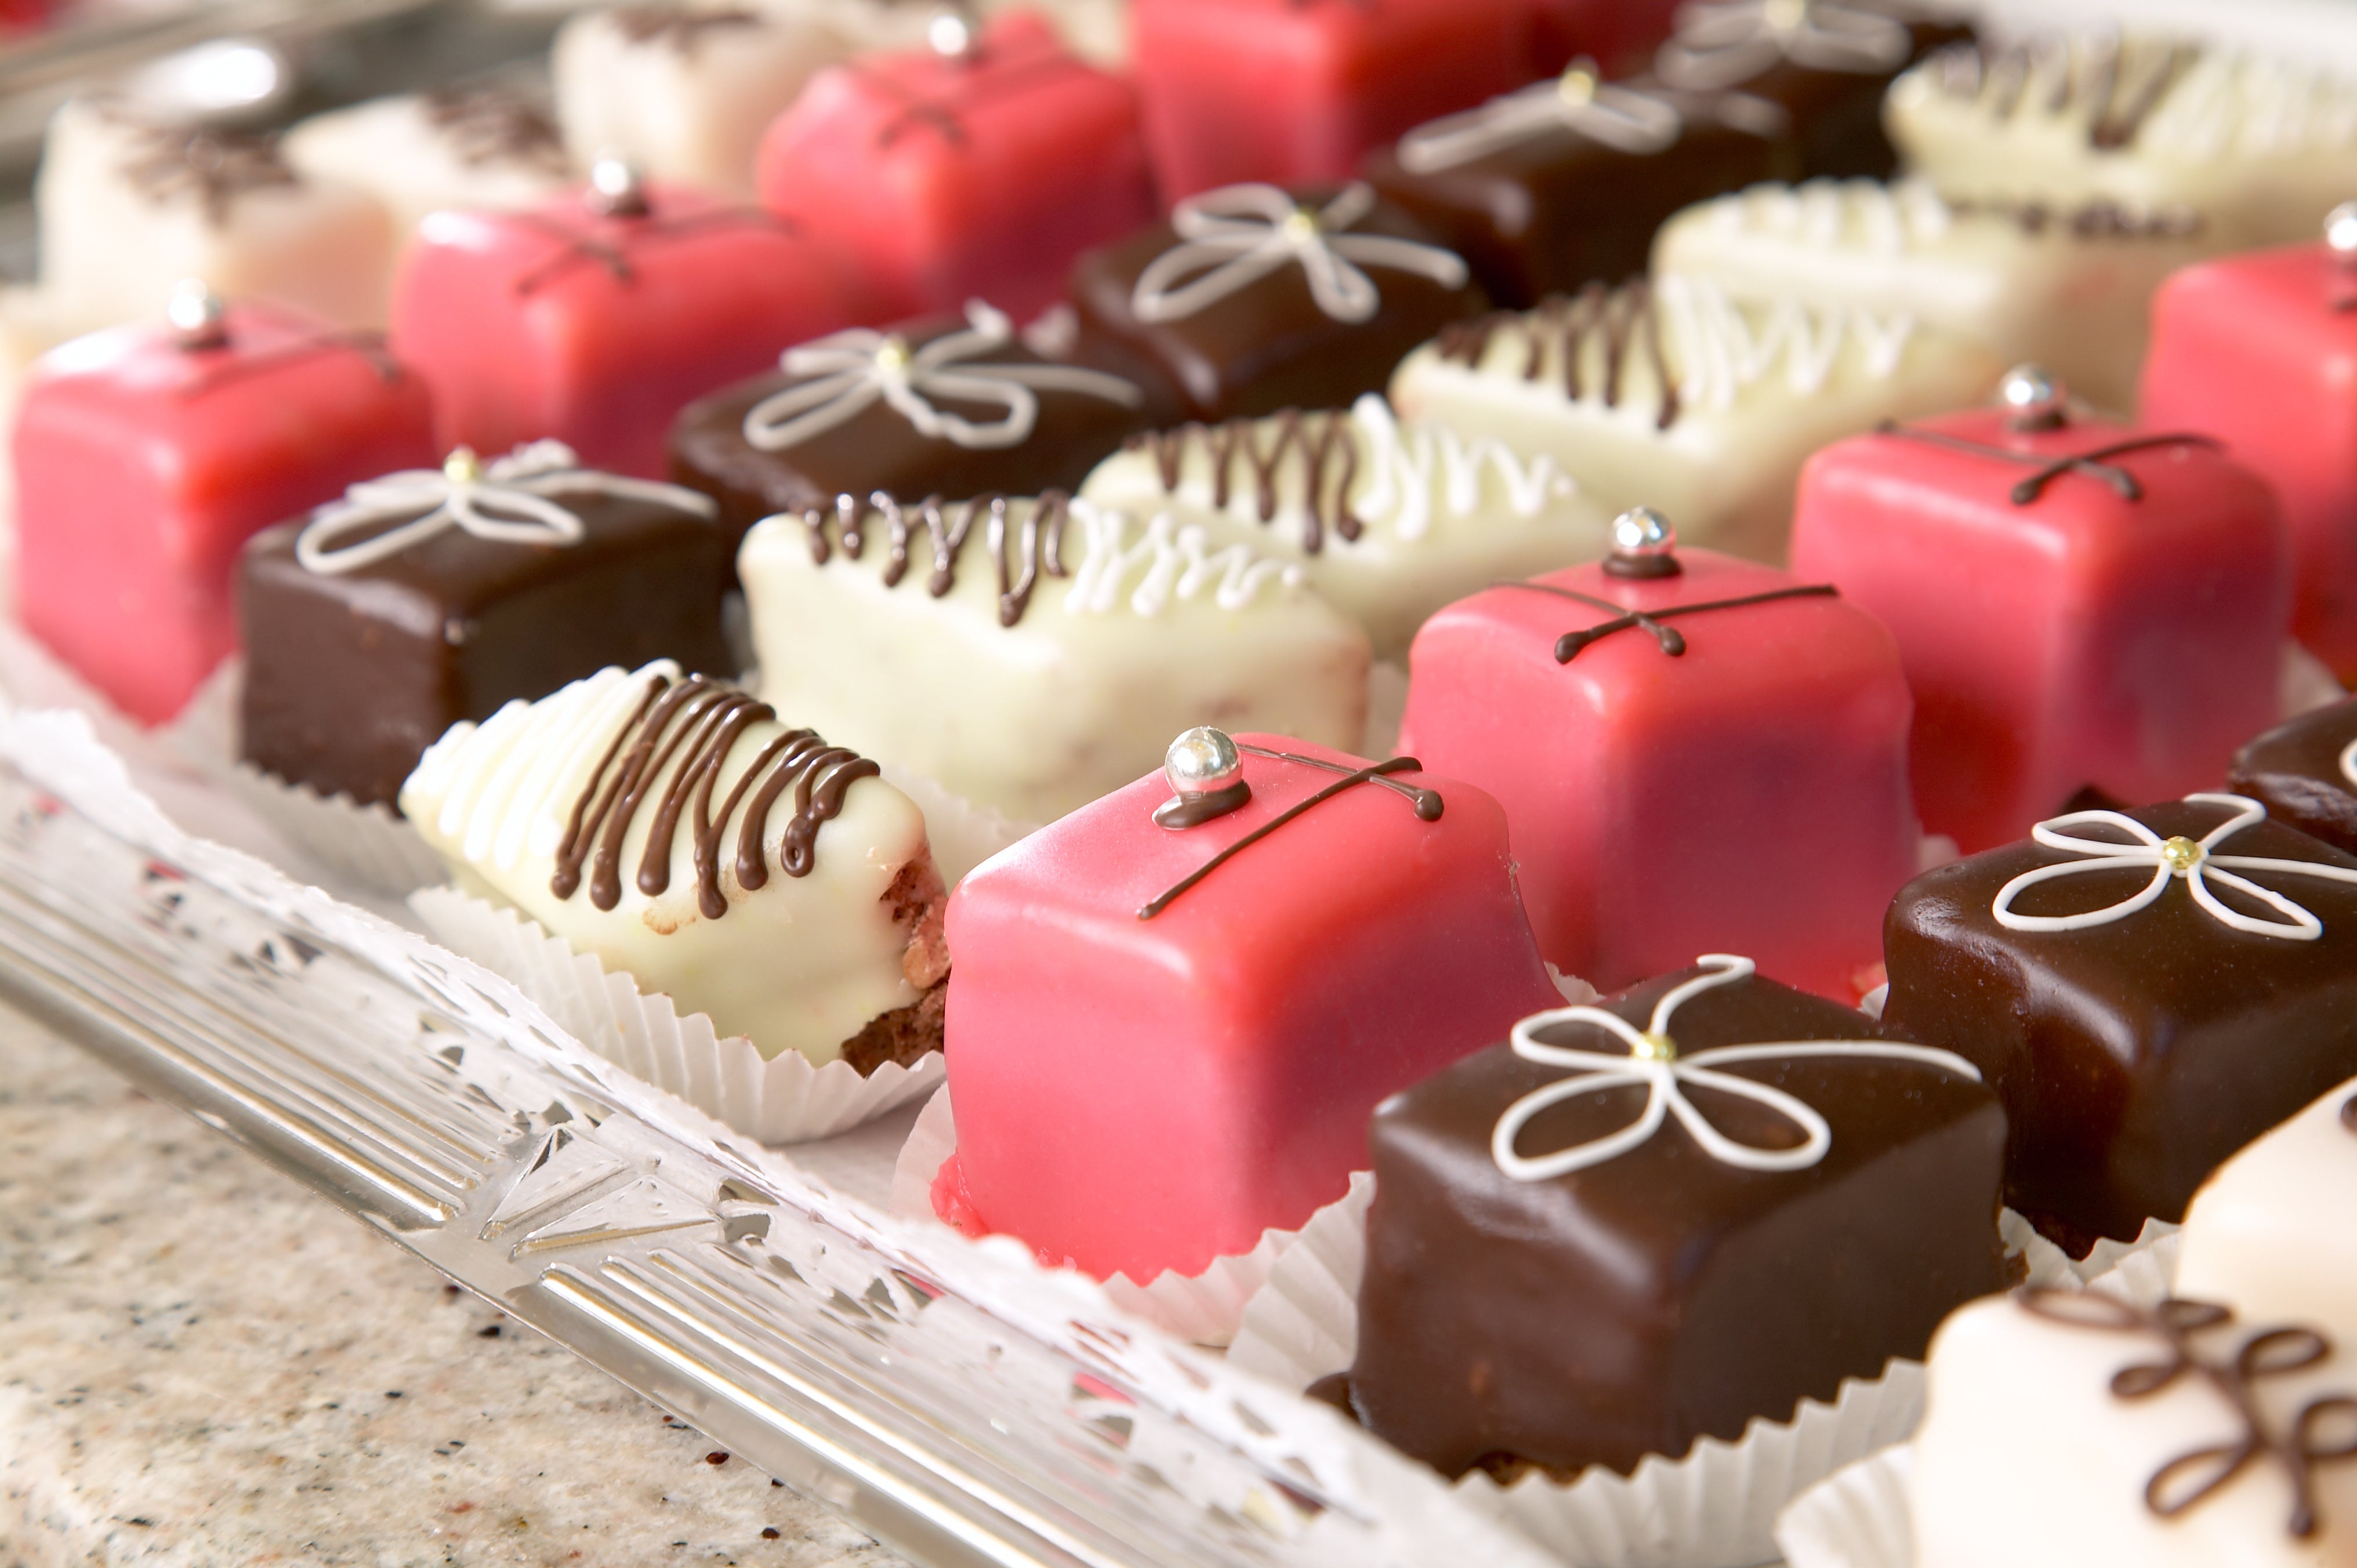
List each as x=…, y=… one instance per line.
x=894, y=355
x=2182, y=854
x=1577, y=87
x=462, y=466
x=1785, y=16
x=1301, y=225
x=1654, y=1046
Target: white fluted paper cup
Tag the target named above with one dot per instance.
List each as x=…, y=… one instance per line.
x=1861, y=1516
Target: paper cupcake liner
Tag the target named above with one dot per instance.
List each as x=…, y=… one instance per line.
x=368, y=845
x=1861, y=1517
x=1204, y=1308
x=785, y=1100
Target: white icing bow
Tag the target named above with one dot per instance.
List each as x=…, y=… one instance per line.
x=850, y=371
x=1617, y=117
x=1654, y=1062
x=507, y=501
x=1237, y=236
x=1722, y=42
x=2170, y=859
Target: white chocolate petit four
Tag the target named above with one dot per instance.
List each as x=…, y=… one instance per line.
x=1675, y=395
x=1387, y=521
x=1031, y=656
x=2260, y=147
x=677, y=829
x=682, y=92
x=2065, y=288
x=423, y=152
x=128, y=208
x=2268, y=1231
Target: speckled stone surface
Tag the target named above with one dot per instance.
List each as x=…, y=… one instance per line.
x=202, y=1363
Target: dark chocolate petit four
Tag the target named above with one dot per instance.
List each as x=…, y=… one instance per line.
x=1253, y=299
x=1663, y=1217
x=2305, y=773
x=431, y=596
x=2147, y=991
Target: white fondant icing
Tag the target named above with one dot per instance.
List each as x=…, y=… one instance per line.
x=414, y=162
x=2169, y=859
x=1654, y=1063
x=1231, y=238
x=2252, y=1235
x=1626, y=119
x=1723, y=43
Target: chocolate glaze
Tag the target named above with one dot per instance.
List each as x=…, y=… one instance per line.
x=211, y=166
x=1193, y=807
x=682, y=27
x=2190, y=1478
x=1329, y=466
x=949, y=528
x=699, y=721
x=1998, y=79
x=1671, y=640
x=2135, y=1057
x=1268, y=347
x=1636, y=1305
x=2295, y=771
x=348, y=679
x=2094, y=463
x=488, y=125
x=1610, y=323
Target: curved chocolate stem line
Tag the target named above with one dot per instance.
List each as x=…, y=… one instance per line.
x=1429, y=806
x=1569, y=646
x=2096, y=465
x=581, y=249
x=369, y=346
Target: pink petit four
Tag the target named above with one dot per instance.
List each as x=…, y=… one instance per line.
x=1297, y=92
x=1172, y=1015
x=1696, y=753
x=977, y=169
x=146, y=456
x=2081, y=604
x=2260, y=350
x=593, y=319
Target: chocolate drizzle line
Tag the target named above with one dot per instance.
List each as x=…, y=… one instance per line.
x=1039, y=543
x=2000, y=83
x=1323, y=439
x=2348, y=1113
x=2096, y=465
x=699, y=721
x=976, y=80
x=584, y=247
x=1672, y=641
x=2103, y=219
x=211, y=165
x=1428, y=803
x=2186, y=1481
x=486, y=125
x=680, y=27
x=369, y=346
x=1619, y=318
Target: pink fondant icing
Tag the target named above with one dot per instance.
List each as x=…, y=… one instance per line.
x=2261, y=350
x=1297, y=92
x=947, y=179
x=1136, y=1095
x=2080, y=639
x=595, y=329
x=1749, y=794
x=142, y=468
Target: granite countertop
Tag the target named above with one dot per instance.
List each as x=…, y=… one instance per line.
x=203, y=1363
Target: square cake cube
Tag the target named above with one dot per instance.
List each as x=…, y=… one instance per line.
x=1165, y=1040
x=420, y=153
x=384, y=618
x=2252, y=1235
x=2079, y=602
x=2148, y=992
x=1709, y=758
x=975, y=168
x=595, y=318
x=146, y=456
x=1544, y=1286
x=2304, y=771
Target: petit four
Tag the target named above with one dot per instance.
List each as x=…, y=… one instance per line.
x=479, y=147
x=2066, y=1428
x=1387, y=522
x=593, y=318
x=2260, y=350
x=939, y=407
x=2067, y=288
x=1251, y=299
x=2078, y=601
x=1564, y=182
x=145, y=459
x=1560, y=1273
x=1299, y=91
x=2259, y=146
x=980, y=164
x=423, y=598
x=683, y=92
x=1031, y=655
x=1174, y=1009
x=127, y=208
x=1676, y=394
x=2147, y=993
x=2305, y=772
x=1627, y=716
x=775, y=882
x=2251, y=1236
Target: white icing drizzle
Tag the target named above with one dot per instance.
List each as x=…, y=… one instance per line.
x=1167, y=563
x=2169, y=859
x=2228, y=103
x=1402, y=464
x=1625, y=119
x=507, y=501
x=2349, y=762
x=850, y=371
x=1720, y=43
x=1889, y=220
x=1727, y=350
x=1654, y=1063
x=1233, y=237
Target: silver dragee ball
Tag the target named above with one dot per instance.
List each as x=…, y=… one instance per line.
x=2029, y=391
x=615, y=186
x=1201, y=760
x=2341, y=229
x=198, y=315
x=1641, y=531
x=951, y=34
